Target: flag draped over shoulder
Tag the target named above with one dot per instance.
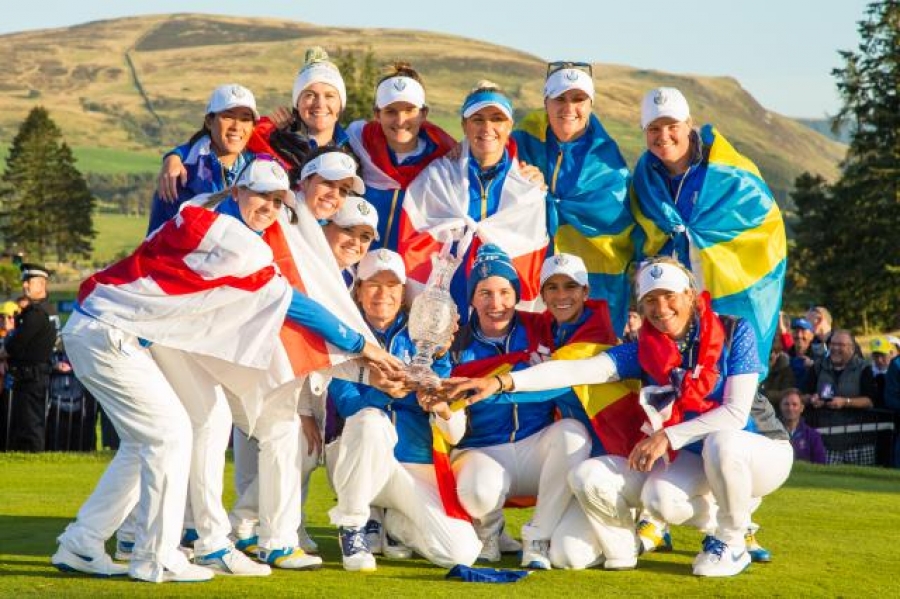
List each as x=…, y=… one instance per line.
x=370, y=145
x=736, y=234
x=587, y=209
x=436, y=208
x=612, y=408
x=203, y=283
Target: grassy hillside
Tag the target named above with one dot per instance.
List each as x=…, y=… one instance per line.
x=140, y=84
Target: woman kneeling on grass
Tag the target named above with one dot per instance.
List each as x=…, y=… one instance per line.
x=707, y=369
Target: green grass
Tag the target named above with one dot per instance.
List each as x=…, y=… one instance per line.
x=117, y=235
x=832, y=532
x=107, y=161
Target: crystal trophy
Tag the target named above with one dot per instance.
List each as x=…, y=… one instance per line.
x=432, y=318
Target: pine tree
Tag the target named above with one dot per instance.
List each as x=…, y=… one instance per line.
x=45, y=205
x=360, y=77
x=848, y=232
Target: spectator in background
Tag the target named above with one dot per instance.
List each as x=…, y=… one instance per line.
x=842, y=381
x=882, y=353
x=28, y=350
x=781, y=375
x=820, y=319
x=633, y=325
x=806, y=440
x=892, y=402
x=801, y=351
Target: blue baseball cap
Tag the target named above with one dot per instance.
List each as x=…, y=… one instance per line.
x=801, y=323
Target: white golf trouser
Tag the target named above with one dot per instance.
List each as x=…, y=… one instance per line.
x=151, y=467
x=210, y=415
x=274, y=496
x=718, y=491
x=367, y=473
x=608, y=492
x=537, y=465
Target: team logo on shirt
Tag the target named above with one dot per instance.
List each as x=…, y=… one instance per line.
x=660, y=98
x=656, y=271
x=399, y=84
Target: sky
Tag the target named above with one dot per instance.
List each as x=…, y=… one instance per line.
x=781, y=51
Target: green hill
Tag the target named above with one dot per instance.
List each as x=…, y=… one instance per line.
x=139, y=85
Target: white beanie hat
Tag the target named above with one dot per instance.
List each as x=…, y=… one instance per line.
x=318, y=69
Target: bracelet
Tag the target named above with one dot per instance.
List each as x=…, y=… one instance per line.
x=500, y=382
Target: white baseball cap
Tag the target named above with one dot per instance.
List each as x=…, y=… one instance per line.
x=664, y=102
x=661, y=275
x=357, y=211
x=399, y=89
x=565, y=264
x=230, y=96
x=378, y=261
x=265, y=176
x=561, y=81
x=319, y=72
x=334, y=166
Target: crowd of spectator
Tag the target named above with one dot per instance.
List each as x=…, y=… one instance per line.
x=822, y=380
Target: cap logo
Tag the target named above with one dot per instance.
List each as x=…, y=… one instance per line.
x=347, y=163
x=484, y=270
x=561, y=260
x=383, y=255
x=399, y=85
x=363, y=208
x=660, y=98
x=276, y=171
x=656, y=271
x=572, y=75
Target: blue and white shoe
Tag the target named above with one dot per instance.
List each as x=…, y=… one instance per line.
x=757, y=552
x=374, y=531
x=186, y=545
x=95, y=565
x=355, y=553
x=124, y=550
x=249, y=545
x=718, y=559
x=653, y=537
x=231, y=561
x=290, y=558
x=535, y=554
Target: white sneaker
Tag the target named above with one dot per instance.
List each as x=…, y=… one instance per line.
x=718, y=559
x=124, y=549
x=394, y=549
x=191, y=573
x=490, y=549
x=96, y=565
x=290, y=558
x=355, y=553
x=508, y=544
x=536, y=554
x=231, y=561
x=628, y=563
x=305, y=542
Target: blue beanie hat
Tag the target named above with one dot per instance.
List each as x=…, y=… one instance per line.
x=491, y=261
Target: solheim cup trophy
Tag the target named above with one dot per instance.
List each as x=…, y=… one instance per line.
x=432, y=318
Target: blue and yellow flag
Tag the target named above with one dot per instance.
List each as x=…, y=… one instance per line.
x=587, y=204
x=738, y=249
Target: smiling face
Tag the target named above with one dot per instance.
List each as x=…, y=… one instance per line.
x=230, y=131
x=381, y=297
x=319, y=107
x=670, y=141
x=669, y=312
x=487, y=132
x=791, y=408
x=564, y=298
x=323, y=197
x=259, y=210
x=401, y=122
x=494, y=301
x=568, y=114
x=840, y=349
x=348, y=244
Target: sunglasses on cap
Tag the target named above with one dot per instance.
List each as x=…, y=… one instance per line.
x=559, y=65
